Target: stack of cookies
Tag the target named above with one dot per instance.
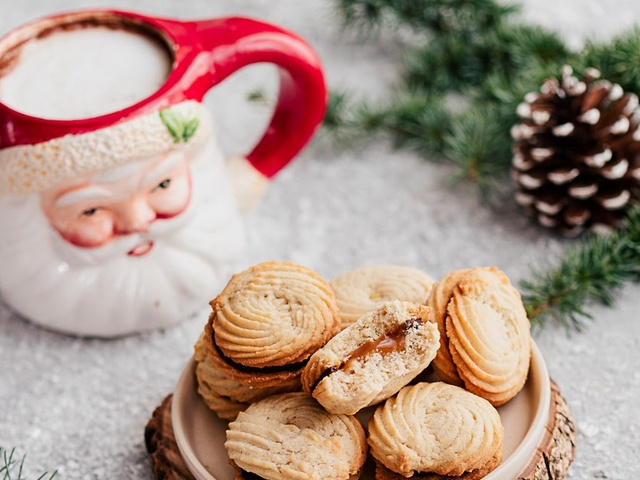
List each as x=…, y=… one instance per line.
x=262, y=330
x=485, y=339
x=290, y=359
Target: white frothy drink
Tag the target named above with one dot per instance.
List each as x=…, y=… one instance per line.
x=84, y=72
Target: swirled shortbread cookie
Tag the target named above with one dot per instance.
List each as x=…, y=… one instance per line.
x=485, y=333
x=373, y=358
x=290, y=436
x=438, y=300
x=274, y=314
x=364, y=289
x=436, y=428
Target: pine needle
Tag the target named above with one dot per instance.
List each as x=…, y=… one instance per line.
x=336, y=116
x=416, y=119
x=8, y=465
x=479, y=146
x=439, y=17
x=413, y=119
x=618, y=60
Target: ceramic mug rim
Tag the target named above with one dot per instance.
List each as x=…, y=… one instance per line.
x=140, y=24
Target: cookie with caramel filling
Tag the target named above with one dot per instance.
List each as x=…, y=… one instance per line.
x=372, y=359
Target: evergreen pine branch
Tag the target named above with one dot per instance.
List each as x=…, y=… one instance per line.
x=617, y=60
x=507, y=91
x=494, y=68
x=437, y=17
x=8, y=465
x=336, y=116
x=412, y=119
x=478, y=146
x=468, y=58
x=365, y=13
x=459, y=63
x=444, y=64
x=592, y=271
x=416, y=120
x=531, y=46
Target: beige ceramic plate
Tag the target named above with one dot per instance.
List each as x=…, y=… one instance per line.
x=200, y=434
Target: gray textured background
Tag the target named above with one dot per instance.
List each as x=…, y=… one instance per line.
x=80, y=406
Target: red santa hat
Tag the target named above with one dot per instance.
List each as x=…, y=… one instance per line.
x=34, y=168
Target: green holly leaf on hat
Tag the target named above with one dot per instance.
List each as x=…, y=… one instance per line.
x=181, y=124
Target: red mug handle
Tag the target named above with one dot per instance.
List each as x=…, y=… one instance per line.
x=209, y=51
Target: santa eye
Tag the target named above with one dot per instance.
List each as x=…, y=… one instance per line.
x=89, y=211
x=164, y=184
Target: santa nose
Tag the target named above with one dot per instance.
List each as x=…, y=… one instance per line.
x=134, y=216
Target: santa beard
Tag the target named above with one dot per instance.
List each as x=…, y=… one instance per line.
x=105, y=292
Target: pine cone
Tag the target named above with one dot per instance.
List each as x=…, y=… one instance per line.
x=576, y=153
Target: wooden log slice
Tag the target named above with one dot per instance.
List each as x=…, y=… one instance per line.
x=166, y=461
x=551, y=460
x=556, y=450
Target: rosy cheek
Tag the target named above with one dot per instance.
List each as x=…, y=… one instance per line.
x=87, y=232
x=173, y=201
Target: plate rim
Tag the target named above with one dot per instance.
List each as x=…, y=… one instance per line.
x=517, y=460
x=535, y=432
x=188, y=455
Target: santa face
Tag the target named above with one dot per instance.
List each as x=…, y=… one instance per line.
x=136, y=247
x=94, y=211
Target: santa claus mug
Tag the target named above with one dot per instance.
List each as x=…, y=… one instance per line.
x=118, y=211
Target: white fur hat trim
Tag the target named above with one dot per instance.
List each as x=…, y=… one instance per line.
x=34, y=168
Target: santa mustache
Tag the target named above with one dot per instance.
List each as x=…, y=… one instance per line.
x=132, y=244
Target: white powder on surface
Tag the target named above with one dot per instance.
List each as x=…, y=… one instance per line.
x=81, y=405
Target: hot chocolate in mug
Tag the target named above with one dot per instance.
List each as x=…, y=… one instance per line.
x=118, y=211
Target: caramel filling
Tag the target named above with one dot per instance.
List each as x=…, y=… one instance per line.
x=388, y=342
